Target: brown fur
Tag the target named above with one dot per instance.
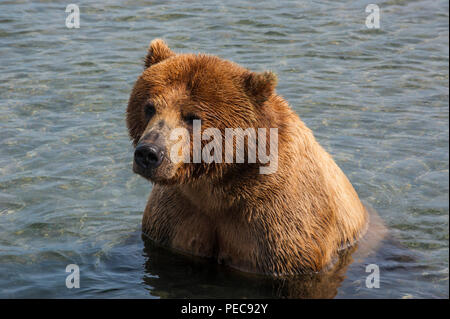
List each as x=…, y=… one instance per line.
x=292, y=221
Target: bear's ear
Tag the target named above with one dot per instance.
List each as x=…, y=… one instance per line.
x=260, y=86
x=157, y=51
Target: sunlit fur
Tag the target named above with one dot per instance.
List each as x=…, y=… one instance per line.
x=292, y=221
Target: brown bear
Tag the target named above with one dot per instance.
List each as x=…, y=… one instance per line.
x=294, y=220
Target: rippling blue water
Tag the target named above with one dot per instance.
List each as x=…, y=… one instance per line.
x=377, y=100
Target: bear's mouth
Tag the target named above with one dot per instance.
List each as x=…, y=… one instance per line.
x=157, y=175
x=146, y=173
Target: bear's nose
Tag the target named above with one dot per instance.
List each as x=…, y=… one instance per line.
x=148, y=155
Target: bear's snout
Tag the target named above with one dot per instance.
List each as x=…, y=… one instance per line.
x=148, y=156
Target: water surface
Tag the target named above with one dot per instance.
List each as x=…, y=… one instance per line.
x=377, y=100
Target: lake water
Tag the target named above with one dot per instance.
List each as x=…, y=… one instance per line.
x=376, y=99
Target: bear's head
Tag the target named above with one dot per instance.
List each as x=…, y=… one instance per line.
x=180, y=93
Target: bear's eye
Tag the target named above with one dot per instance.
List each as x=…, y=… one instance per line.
x=190, y=117
x=149, y=110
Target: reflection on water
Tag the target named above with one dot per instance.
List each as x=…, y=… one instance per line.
x=377, y=100
x=171, y=275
